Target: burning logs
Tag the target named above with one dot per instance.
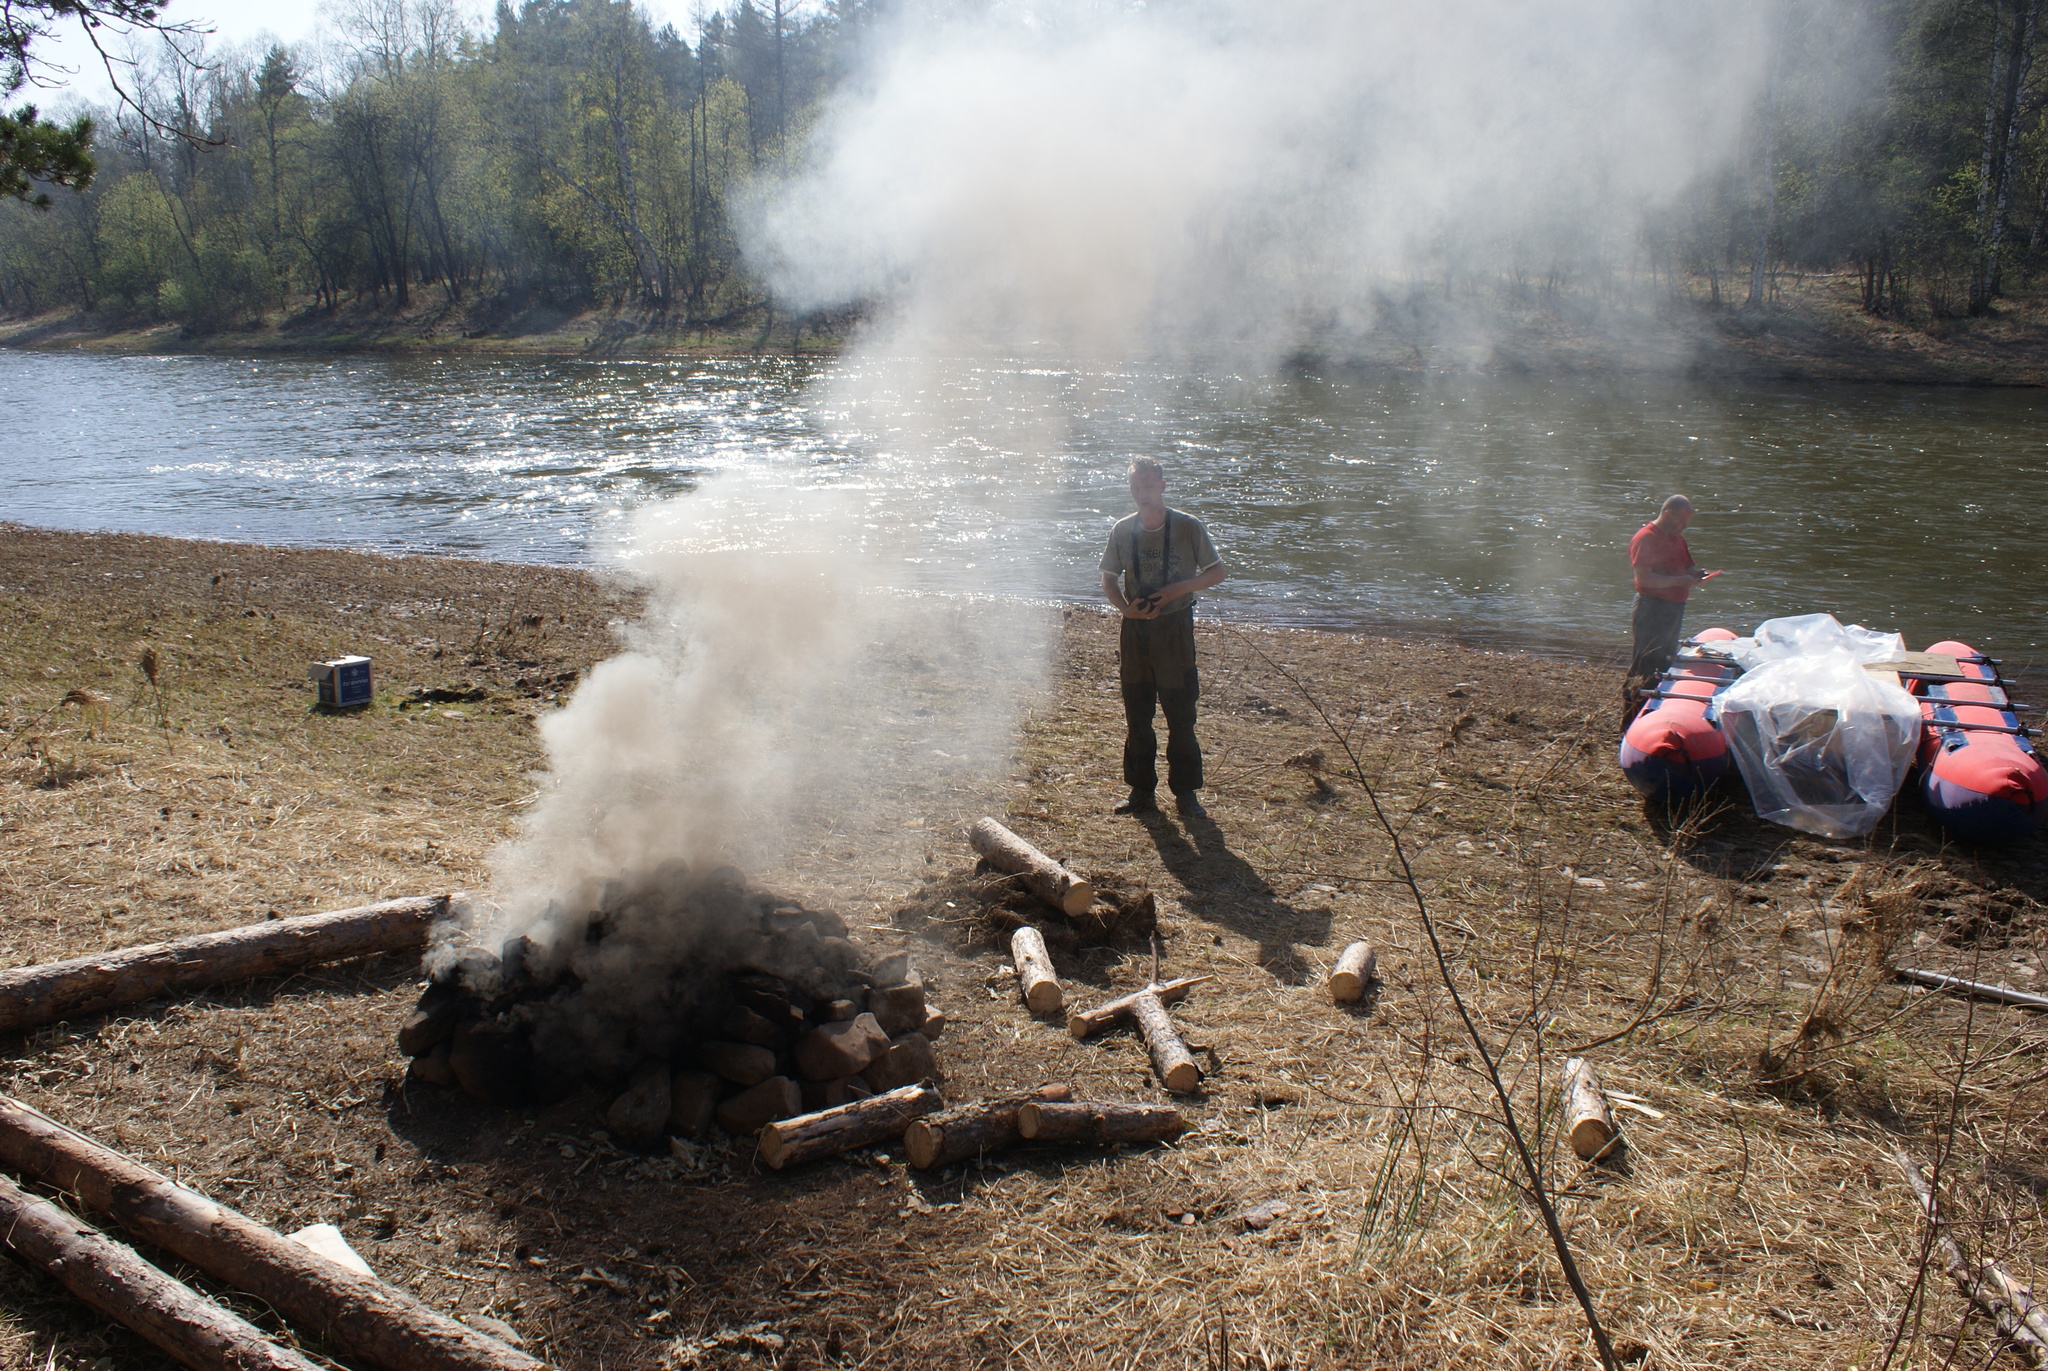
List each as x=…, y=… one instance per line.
x=34, y=995
x=112, y=1279
x=1354, y=969
x=788, y=1142
x=1099, y=1121
x=692, y=996
x=359, y=1316
x=1588, y=1121
x=972, y=1130
x=1043, y=876
x=1042, y=993
x=1170, y=1056
x=1086, y=1023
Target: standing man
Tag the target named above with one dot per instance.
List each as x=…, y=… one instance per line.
x=1156, y=561
x=1665, y=574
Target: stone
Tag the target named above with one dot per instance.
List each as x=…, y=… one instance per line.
x=433, y=1069
x=835, y=1050
x=829, y=1094
x=693, y=1103
x=838, y=1011
x=743, y=1025
x=910, y=1059
x=432, y=1020
x=934, y=1024
x=638, y=1118
x=744, y=1114
x=899, y=1008
x=740, y=1063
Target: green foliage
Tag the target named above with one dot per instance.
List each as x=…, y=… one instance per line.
x=33, y=149
x=572, y=155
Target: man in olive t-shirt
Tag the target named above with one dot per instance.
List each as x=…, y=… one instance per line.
x=1156, y=562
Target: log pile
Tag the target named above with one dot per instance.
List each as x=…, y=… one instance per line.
x=697, y=999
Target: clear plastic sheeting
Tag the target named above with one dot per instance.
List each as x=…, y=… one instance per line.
x=1812, y=635
x=1823, y=745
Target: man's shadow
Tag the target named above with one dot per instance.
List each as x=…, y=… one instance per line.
x=1223, y=888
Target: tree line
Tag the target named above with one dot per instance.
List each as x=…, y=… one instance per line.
x=572, y=154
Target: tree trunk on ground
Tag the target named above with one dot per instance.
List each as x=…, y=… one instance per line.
x=1100, y=1121
x=34, y=995
x=788, y=1142
x=1086, y=1023
x=1042, y=876
x=359, y=1316
x=1349, y=976
x=1042, y=993
x=972, y=1130
x=1588, y=1122
x=172, y=1317
x=1170, y=1056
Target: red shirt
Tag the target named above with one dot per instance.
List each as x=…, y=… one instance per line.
x=1664, y=553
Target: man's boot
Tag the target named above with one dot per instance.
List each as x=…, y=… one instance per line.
x=1137, y=802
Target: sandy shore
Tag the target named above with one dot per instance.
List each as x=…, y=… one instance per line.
x=1732, y=976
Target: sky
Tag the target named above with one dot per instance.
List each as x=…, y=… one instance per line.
x=75, y=72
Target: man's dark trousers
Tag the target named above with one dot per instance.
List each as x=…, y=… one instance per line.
x=1156, y=668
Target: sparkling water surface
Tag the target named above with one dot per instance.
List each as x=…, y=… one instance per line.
x=1485, y=503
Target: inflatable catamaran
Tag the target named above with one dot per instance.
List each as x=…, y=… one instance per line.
x=1980, y=775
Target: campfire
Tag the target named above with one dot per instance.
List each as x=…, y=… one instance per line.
x=695, y=996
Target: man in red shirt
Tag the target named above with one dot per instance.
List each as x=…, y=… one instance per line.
x=1665, y=574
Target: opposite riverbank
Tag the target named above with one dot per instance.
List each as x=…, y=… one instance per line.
x=1815, y=330
x=1732, y=978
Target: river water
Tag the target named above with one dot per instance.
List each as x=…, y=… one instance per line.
x=1501, y=505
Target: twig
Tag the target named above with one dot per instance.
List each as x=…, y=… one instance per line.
x=1536, y=1189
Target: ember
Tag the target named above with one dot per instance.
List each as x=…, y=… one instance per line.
x=696, y=996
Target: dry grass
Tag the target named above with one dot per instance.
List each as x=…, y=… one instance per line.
x=1729, y=974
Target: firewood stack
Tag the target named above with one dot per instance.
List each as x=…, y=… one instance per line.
x=696, y=998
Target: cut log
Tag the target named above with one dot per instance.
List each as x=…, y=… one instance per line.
x=972, y=1130
x=1042, y=993
x=1170, y=1056
x=1588, y=1122
x=1099, y=1121
x=2010, y=1304
x=1042, y=876
x=171, y=1316
x=1086, y=1023
x=1354, y=968
x=788, y=1142
x=35, y=995
x=359, y=1316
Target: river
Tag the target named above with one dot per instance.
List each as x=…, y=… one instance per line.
x=1489, y=504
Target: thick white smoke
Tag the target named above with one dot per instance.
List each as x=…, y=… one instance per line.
x=1103, y=181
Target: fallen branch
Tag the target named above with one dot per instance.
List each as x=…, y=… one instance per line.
x=1041, y=875
x=2010, y=1304
x=35, y=995
x=788, y=1142
x=973, y=1130
x=1099, y=1121
x=1976, y=990
x=359, y=1316
x=1086, y=1023
x=172, y=1317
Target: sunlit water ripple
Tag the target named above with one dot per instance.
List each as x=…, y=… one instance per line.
x=1488, y=503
